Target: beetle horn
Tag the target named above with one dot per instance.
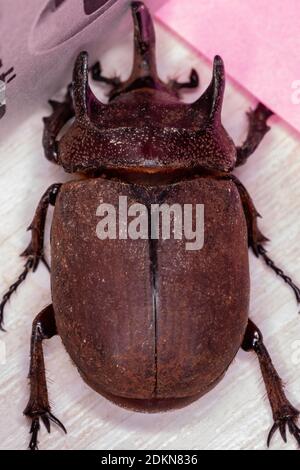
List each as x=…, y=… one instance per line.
x=82, y=92
x=212, y=99
x=144, y=42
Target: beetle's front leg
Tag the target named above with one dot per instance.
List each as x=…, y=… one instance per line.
x=193, y=82
x=98, y=77
x=257, y=130
x=257, y=240
x=62, y=113
x=38, y=407
x=34, y=253
x=284, y=414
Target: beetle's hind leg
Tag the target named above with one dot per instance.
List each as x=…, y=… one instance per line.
x=61, y=114
x=257, y=240
x=258, y=128
x=34, y=253
x=38, y=408
x=284, y=414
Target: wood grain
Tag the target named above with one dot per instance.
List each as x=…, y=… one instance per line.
x=236, y=414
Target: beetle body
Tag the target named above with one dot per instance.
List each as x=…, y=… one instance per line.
x=150, y=325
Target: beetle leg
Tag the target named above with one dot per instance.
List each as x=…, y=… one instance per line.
x=257, y=240
x=257, y=130
x=34, y=253
x=35, y=249
x=98, y=77
x=62, y=113
x=284, y=414
x=192, y=83
x=38, y=407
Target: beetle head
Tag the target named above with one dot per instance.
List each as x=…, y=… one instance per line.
x=145, y=127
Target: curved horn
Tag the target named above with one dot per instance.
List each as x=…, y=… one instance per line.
x=144, y=41
x=81, y=83
x=82, y=93
x=212, y=99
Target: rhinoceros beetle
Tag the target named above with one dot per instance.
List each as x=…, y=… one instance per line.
x=149, y=325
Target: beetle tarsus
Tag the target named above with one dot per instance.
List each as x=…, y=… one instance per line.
x=284, y=423
x=270, y=263
x=34, y=256
x=284, y=414
x=258, y=128
x=256, y=239
x=46, y=418
x=13, y=288
x=44, y=327
x=34, y=430
x=193, y=82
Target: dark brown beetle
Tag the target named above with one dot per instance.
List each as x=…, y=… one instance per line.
x=149, y=325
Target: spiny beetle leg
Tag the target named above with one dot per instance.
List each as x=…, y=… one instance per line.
x=192, y=83
x=38, y=407
x=61, y=114
x=257, y=130
x=34, y=253
x=98, y=77
x=284, y=414
x=27, y=268
x=257, y=240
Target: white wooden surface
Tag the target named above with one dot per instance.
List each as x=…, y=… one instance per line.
x=236, y=414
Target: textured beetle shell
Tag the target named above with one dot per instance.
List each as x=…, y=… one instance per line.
x=145, y=129
x=132, y=339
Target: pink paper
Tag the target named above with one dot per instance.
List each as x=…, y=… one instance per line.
x=259, y=41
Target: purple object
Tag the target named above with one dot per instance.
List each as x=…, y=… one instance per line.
x=40, y=40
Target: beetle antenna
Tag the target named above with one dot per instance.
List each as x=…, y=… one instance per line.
x=263, y=252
